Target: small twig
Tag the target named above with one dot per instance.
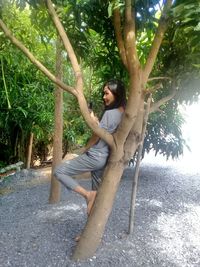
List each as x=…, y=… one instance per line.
x=160, y=78
x=156, y=106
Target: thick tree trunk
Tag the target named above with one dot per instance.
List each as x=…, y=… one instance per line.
x=29, y=153
x=58, y=129
x=94, y=229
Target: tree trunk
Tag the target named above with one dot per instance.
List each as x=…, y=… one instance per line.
x=95, y=226
x=94, y=229
x=30, y=146
x=58, y=128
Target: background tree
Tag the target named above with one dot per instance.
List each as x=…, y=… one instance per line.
x=58, y=125
x=26, y=96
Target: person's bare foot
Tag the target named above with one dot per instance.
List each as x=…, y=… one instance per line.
x=90, y=201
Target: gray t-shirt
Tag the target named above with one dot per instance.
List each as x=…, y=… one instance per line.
x=110, y=120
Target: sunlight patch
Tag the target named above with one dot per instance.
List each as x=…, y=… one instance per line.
x=58, y=211
x=154, y=202
x=150, y=202
x=179, y=236
x=69, y=207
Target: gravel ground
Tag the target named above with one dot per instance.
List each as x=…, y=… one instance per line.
x=166, y=232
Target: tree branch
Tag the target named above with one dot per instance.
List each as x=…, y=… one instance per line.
x=153, y=88
x=106, y=136
x=159, y=78
x=119, y=38
x=157, y=41
x=130, y=38
x=155, y=106
x=133, y=139
x=36, y=62
x=67, y=45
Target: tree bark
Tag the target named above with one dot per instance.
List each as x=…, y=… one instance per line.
x=119, y=38
x=29, y=154
x=94, y=229
x=58, y=127
x=95, y=226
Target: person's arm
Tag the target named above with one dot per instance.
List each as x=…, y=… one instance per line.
x=93, y=139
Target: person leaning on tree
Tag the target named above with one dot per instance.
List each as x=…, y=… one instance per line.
x=96, y=151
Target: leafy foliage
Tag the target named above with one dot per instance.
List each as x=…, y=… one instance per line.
x=27, y=105
x=178, y=61
x=164, y=132
x=90, y=29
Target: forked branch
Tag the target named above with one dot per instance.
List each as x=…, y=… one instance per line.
x=162, y=26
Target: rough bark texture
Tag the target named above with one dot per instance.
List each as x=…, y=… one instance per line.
x=96, y=223
x=95, y=226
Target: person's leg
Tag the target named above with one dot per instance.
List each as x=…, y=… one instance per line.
x=88, y=195
x=76, y=166
x=97, y=178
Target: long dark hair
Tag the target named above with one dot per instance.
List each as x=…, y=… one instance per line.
x=117, y=88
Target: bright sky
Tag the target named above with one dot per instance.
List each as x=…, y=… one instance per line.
x=191, y=133
x=191, y=129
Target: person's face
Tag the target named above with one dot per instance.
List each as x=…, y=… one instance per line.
x=108, y=96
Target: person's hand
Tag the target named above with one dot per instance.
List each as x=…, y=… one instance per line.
x=94, y=117
x=80, y=150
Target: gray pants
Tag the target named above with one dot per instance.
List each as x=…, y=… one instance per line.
x=78, y=165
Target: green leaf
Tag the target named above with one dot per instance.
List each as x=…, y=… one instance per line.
x=197, y=28
x=23, y=111
x=110, y=9
x=196, y=65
